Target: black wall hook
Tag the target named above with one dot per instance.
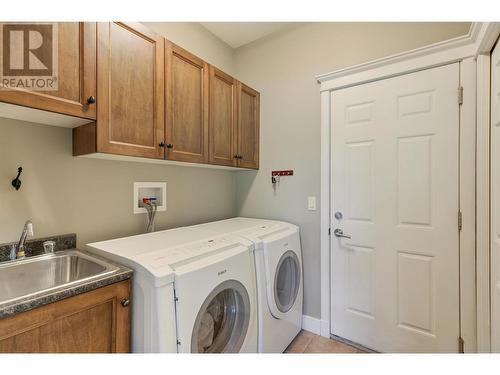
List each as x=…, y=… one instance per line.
x=16, y=182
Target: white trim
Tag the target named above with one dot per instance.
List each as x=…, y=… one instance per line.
x=312, y=324
x=457, y=49
x=483, y=204
x=468, y=320
x=325, y=213
x=487, y=38
x=445, y=45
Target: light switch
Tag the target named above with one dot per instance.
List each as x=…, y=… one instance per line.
x=311, y=203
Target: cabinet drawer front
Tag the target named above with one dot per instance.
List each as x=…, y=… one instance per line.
x=76, y=75
x=187, y=106
x=131, y=90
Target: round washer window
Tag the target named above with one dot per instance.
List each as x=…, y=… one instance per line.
x=222, y=322
x=287, y=281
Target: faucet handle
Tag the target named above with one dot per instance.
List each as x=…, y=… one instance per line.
x=49, y=246
x=13, y=252
x=29, y=228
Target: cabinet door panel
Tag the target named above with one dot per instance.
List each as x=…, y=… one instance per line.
x=187, y=106
x=92, y=322
x=131, y=91
x=248, y=127
x=223, y=114
x=76, y=75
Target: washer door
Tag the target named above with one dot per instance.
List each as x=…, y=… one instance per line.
x=222, y=322
x=286, y=281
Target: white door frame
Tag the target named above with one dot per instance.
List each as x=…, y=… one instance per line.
x=474, y=251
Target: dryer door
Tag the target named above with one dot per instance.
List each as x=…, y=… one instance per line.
x=286, y=281
x=222, y=321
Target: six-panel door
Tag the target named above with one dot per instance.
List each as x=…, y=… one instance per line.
x=223, y=117
x=248, y=127
x=130, y=117
x=186, y=106
x=76, y=75
x=395, y=180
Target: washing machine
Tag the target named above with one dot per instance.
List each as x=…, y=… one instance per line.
x=193, y=291
x=278, y=262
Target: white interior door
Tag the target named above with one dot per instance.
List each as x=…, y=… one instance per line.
x=495, y=199
x=395, y=181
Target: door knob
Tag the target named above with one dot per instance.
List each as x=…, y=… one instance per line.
x=125, y=302
x=162, y=144
x=170, y=145
x=91, y=100
x=340, y=233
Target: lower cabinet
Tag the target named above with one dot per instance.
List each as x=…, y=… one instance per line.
x=94, y=322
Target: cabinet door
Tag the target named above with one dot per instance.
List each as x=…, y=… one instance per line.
x=92, y=322
x=130, y=113
x=187, y=106
x=248, y=127
x=223, y=116
x=76, y=75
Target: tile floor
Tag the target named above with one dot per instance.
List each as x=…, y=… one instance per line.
x=307, y=342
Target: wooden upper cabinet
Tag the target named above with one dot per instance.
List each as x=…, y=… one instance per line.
x=76, y=78
x=223, y=117
x=248, y=127
x=186, y=106
x=130, y=89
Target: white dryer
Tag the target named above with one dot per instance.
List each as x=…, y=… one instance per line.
x=193, y=291
x=278, y=261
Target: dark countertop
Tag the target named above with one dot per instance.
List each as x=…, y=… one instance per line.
x=44, y=298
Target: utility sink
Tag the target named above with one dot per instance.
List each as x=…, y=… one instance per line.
x=21, y=279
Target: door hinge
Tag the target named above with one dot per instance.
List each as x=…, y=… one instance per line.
x=460, y=95
x=175, y=297
x=459, y=220
x=461, y=345
x=329, y=231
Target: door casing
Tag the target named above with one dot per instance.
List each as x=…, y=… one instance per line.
x=465, y=50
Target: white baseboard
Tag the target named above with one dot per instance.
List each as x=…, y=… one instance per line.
x=316, y=326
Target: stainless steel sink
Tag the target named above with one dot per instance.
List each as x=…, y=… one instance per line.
x=20, y=279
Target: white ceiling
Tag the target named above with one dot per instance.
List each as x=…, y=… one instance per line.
x=237, y=34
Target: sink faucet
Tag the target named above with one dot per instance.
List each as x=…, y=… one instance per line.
x=27, y=231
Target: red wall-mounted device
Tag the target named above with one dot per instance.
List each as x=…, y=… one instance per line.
x=282, y=173
x=275, y=175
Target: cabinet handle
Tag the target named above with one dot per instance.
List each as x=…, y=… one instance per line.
x=162, y=144
x=91, y=100
x=125, y=302
x=238, y=157
x=170, y=145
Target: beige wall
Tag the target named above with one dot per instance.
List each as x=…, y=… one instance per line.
x=198, y=40
x=282, y=67
x=93, y=198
